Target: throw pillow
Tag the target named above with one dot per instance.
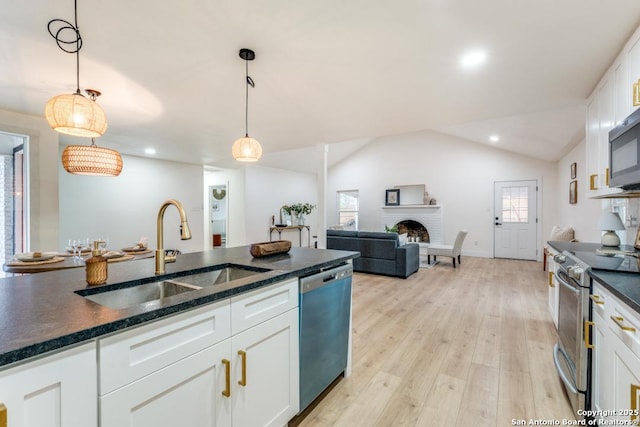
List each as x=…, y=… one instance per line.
x=565, y=234
x=402, y=239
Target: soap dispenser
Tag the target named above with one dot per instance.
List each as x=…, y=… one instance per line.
x=96, y=266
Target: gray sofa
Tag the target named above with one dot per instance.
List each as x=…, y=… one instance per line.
x=380, y=252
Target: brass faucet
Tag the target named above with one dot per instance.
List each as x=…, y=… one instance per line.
x=185, y=232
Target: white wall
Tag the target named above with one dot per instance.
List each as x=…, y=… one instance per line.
x=582, y=216
x=460, y=174
x=267, y=189
x=43, y=176
x=125, y=208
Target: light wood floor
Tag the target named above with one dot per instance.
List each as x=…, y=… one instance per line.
x=464, y=347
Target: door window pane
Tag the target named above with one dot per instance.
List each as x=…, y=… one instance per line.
x=515, y=204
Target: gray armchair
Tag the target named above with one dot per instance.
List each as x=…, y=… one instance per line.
x=452, y=251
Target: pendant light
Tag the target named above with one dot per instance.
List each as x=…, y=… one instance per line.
x=74, y=114
x=91, y=160
x=247, y=149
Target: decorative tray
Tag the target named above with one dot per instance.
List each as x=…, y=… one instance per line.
x=258, y=250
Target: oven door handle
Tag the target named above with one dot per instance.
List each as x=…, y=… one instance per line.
x=567, y=285
x=563, y=376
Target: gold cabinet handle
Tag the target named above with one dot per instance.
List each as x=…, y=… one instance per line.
x=3, y=415
x=634, y=402
x=587, y=334
x=243, y=356
x=227, y=381
x=551, y=285
x=636, y=94
x=618, y=321
x=596, y=299
x=593, y=182
x=606, y=177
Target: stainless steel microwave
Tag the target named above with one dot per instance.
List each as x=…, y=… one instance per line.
x=624, y=153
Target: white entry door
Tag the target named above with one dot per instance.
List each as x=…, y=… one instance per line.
x=515, y=219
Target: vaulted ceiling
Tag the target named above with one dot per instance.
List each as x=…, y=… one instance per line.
x=325, y=71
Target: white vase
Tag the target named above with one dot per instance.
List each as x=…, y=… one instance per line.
x=300, y=219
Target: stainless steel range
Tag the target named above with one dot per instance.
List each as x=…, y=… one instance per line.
x=572, y=353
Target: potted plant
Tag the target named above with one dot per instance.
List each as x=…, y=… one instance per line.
x=300, y=210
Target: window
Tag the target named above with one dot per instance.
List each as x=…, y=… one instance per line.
x=348, y=206
x=13, y=195
x=515, y=204
x=621, y=206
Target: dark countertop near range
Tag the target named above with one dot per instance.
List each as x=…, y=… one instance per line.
x=625, y=286
x=41, y=312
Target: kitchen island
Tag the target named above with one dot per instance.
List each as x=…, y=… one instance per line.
x=42, y=312
x=224, y=353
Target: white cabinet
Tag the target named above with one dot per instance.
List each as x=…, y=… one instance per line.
x=609, y=104
x=601, y=380
x=56, y=390
x=233, y=362
x=616, y=357
x=622, y=102
x=185, y=393
x=266, y=391
x=632, y=53
x=605, y=115
x=592, y=141
x=599, y=122
x=552, y=285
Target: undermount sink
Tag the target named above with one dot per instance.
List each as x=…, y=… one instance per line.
x=125, y=297
x=158, y=291
x=215, y=277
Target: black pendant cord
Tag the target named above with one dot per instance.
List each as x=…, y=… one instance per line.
x=246, y=100
x=249, y=81
x=60, y=31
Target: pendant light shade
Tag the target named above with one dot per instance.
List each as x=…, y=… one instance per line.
x=247, y=149
x=91, y=160
x=74, y=114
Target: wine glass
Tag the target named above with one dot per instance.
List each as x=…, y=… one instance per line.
x=75, y=245
x=71, y=243
x=104, y=244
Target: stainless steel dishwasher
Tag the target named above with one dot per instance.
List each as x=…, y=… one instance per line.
x=325, y=316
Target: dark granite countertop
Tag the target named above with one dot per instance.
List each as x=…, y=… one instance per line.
x=41, y=312
x=625, y=286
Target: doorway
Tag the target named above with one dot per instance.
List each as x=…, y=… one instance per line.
x=515, y=219
x=218, y=214
x=14, y=226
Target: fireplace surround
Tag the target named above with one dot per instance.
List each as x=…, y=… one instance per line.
x=421, y=221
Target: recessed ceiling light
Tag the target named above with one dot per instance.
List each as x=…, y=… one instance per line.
x=494, y=138
x=473, y=59
x=150, y=151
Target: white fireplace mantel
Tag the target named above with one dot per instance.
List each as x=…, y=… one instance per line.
x=412, y=207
